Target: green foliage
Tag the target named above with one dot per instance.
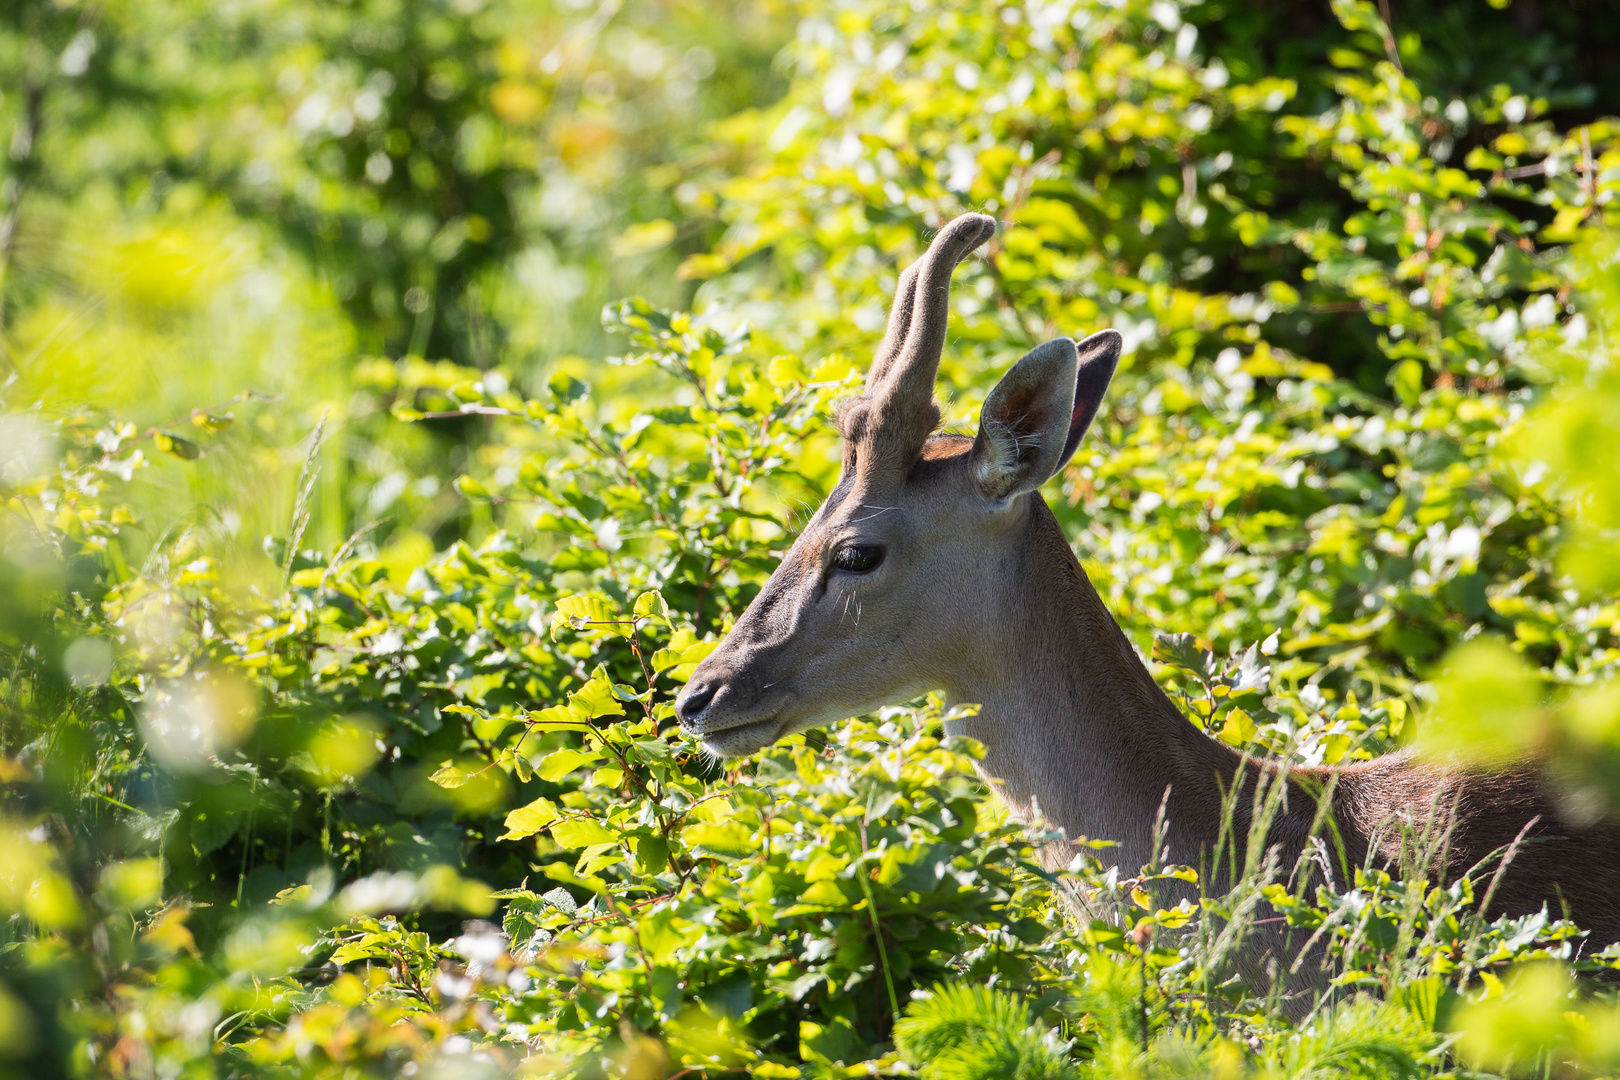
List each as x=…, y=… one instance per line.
x=966, y=1032
x=399, y=790
x=373, y=725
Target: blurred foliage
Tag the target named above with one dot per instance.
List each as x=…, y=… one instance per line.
x=350, y=562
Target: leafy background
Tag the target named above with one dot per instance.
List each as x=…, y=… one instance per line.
x=400, y=396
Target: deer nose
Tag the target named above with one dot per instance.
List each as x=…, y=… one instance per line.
x=696, y=700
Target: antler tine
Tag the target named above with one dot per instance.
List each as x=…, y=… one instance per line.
x=894, y=338
x=896, y=413
x=910, y=376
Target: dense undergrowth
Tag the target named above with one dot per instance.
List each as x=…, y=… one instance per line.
x=408, y=800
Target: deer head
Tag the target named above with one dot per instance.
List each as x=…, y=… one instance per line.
x=900, y=578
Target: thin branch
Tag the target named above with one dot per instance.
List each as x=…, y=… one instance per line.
x=1386, y=26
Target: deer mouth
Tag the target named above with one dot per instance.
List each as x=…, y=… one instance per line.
x=744, y=736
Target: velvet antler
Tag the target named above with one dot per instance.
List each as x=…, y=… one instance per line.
x=897, y=411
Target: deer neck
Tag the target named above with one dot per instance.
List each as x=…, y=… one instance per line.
x=1075, y=730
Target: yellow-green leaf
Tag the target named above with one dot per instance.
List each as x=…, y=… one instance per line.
x=577, y=833
x=559, y=763
x=449, y=776
x=642, y=237
x=652, y=854
x=1333, y=748
x=652, y=605
x=371, y=946
x=213, y=423
x=596, y=698
x=584, y=612
x=1239, y=729
x=728, y=841
x=559, y=718
x=184, y=449
x=471, y=488
x=530, y=819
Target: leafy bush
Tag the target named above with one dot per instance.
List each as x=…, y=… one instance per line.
x=371, y=804
x=654, y=914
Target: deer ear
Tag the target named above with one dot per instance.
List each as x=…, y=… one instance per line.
x=1098, y=357
x=1024, y=428
x=1035, y=417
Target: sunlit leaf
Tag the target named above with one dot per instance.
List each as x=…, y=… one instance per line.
x=176, y=446
x=559, y=763
x=449, y=776
x=578, y=833
x=530, y=819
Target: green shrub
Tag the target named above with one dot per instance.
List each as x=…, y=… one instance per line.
x=384, y=806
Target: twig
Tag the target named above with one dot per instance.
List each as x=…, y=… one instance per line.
x=210, y=410
x=1390, y=48
x=877, y=928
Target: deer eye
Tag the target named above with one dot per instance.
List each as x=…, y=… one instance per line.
x=858, y=558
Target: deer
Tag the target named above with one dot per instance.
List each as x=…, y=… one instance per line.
x=935, y=565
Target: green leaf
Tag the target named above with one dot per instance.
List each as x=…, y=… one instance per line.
x=1239, y=729
x=448, y=776
x=212, y=828
x=368, y=947
x=559, y=763
x=596, y=698
x=558, y=718
x=213, y=423
x=1406, y=379
x=652, y=854
x=828, y=1043
x=727, y=841
x=652, y=605
x=595, y=861
x=695, y=653
x=576, y=834
x=184, y=449
x=652, y=749
x=566, y=389
x=471, y=488
x=1182, y=651
x=530, y=819
x=583, y=611
x=663, y=932
x=523, y=918
x=562, y=900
